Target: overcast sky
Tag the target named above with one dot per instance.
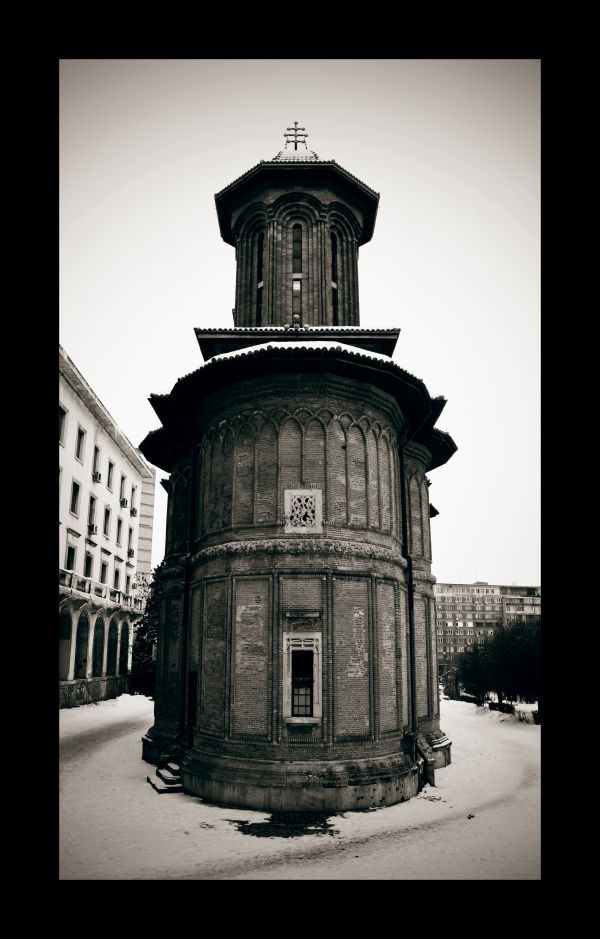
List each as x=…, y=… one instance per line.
x=453, y=148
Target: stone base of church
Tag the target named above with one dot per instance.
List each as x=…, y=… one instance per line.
x=159, y=741
x=440, y=746
x=319, y=786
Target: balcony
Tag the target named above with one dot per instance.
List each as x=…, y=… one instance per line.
x=96, y=589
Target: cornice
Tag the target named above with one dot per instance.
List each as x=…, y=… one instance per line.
x=296, y=546
x=75, y=379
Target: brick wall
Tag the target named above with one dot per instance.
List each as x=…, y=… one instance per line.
x=351, y=656
x=357, y=493
x=336, y=474
x=404, y=652
x=266, y=474
x=420, y=615
x=301, y=593
x=250, y=692
x=212, y=714
x=386, y=642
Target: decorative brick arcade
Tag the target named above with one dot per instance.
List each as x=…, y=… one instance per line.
x=296, y=658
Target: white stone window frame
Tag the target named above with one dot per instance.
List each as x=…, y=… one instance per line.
x=62, y=437
x=307, y=642
x=288, y=498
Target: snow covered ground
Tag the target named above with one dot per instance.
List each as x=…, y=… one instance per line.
x=480, y=822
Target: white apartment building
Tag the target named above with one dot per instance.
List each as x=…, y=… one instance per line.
x=106, y=508
x=470, y=614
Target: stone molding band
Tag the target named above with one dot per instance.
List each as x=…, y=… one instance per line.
x=316, y=546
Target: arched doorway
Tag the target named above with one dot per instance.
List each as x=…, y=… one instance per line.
x=111, y=658
x=98, y=654
x=64, y=643
x=124, y=649
x=81, y=646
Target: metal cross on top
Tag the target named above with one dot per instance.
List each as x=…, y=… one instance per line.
x=295, y=134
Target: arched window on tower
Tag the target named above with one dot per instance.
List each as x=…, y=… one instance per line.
x=297, y=272
x=334, y=280
x=260, y=247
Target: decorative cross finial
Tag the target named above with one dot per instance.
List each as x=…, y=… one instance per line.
x=295, y=135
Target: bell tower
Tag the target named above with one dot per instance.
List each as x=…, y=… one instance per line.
x=296, y=223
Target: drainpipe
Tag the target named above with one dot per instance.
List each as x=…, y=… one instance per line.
x=411, y=615
x=185, y=612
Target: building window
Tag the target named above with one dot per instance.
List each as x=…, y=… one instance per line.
x=92, y=510
x=302, y=675
x=119, y=529
x=109, y=480
x=297, y=270
x=106, y=528
x=96, y=460
x=88, y=564
x=80, y=444
x=117, y=578
x=133, y=495
x=70, y=559
x=103, y=572
x=62, y=424
x=130, y=540
x=75, y=491
x=122, y=487
x=302, y=683
x=128, y=585
x=259, y=277
x=334, y=280
x=297, y=249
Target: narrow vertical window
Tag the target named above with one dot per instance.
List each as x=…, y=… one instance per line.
x=87, y=567
x=130, y=540
x=70, y=561
x=119, y=529
x=259, y=277
x=92, y=511
x=128, y=585
x=96, y=460
x=297, y=249
x=109, y=481
x=133, y=492
x=297, y=270
x=117, y=577
x=106, y=521
x=62, y=423
x=103, y=572
x=302, y=683
x=334, y=280
x=75, y=489
x=122, y=489
x=80, y=445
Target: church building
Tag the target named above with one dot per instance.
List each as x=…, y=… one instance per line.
x=297, y=651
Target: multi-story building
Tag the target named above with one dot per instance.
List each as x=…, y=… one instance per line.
x=106, y=508
x=468, y=614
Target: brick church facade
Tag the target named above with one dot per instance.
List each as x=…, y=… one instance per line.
x=297, y=654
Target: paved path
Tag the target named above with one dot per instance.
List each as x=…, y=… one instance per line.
x=481, y=821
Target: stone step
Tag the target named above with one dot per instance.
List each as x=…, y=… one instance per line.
x=171, y=779
x=159, y=786
x=173, y=768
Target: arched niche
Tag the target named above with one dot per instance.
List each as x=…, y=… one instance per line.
x=98, y=647
x=124, y=649
x=65, y=626
x=81, y=646
x=113, y=639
